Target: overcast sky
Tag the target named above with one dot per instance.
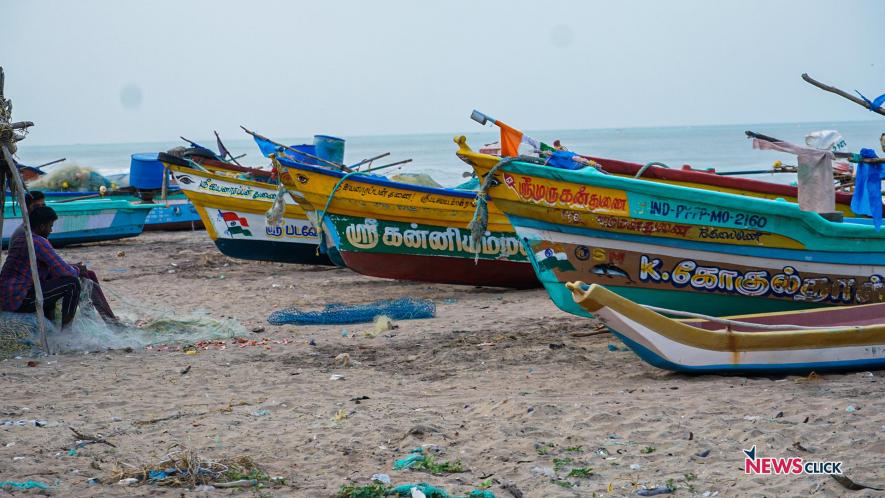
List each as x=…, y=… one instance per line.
x=126, y=71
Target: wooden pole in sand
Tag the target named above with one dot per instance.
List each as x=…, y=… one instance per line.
x=32, y=255
x=7, y=139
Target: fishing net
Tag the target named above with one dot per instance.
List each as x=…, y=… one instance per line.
x=422, y=179
x=396, y=309
x=71, y=178
x=140, y=326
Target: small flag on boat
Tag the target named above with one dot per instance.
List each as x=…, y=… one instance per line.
x=235, y=223
x=222, y=150
x=548, y=259
x=511, y=138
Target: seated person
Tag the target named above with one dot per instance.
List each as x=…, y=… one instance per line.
x=33, y=199
x=59, y=280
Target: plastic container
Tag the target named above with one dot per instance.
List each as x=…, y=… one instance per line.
x=308, y=148
x=145, y=171
x=329, y=148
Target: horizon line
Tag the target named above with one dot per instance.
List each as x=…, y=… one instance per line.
x=485, y=129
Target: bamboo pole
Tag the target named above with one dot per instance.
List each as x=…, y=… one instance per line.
x=50, y=163
x=32, y=255
x=9, y=175
x=840, y=93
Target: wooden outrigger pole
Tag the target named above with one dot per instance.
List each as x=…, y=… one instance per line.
x=866, y=104
x=10, y=133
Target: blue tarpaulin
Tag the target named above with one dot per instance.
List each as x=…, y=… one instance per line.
x=867, y=197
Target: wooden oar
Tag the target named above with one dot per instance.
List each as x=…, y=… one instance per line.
x=305, y=154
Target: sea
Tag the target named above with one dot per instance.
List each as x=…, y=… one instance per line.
x=722, y=147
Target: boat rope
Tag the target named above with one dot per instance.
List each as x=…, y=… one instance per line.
x=649, y=165
x=274, y=215
x=321, y=215
x=480, y=221
x=731, y=323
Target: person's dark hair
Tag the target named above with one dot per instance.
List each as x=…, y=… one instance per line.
x=33, y=195
x=42, y=215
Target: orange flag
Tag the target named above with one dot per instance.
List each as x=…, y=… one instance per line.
x=510, y=140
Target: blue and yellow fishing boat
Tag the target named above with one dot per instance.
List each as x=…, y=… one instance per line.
x=684, y=248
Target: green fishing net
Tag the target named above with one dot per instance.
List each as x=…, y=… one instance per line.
x=71, y=178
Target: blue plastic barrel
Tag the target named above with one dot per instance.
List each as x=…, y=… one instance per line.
x=329, y=148
x=145, y=171
x=310, y=149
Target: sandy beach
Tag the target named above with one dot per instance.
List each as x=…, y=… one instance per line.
x=500, y=380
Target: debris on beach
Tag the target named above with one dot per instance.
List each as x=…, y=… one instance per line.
x=221, y=345
x=847, y=483
x=660, y=490
x=186, y=467
x=418, y=460
x=383, y=323
x=23, y=485
x=378, y=489
x=342, y=360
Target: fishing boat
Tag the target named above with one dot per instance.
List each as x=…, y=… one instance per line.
x=706, y=179
x=793, y=342
x=233, y=211
x=85, y=220
x=175, y=213
x=684, y=248
x=389, y=229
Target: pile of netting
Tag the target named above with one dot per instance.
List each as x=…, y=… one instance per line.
x=139, y=326
x=71, y=178
x=395, y=309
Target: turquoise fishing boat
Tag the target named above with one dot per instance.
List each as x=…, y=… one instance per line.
x=175, y=213
x=85, y=220
x=684, y=248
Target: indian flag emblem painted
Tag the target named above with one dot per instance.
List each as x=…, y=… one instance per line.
x=548, y=259
x=235, y=223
